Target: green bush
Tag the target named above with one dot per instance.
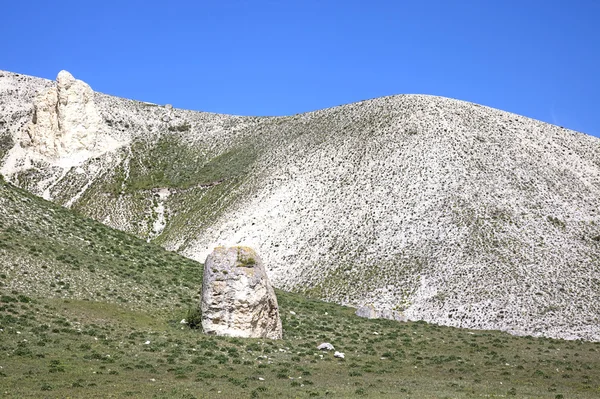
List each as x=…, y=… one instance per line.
x=194, y=318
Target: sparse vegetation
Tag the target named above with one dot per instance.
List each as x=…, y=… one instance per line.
x=70, y=332
x=556, y=221
x=244, y=258
x=82, y=348
x=183, y=127
x=180, y=166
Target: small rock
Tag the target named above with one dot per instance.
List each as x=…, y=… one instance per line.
x=338, y=355
x=292, y=312
x=367, y=311
x=325, y=346
x=183, y=321
x=147, y=343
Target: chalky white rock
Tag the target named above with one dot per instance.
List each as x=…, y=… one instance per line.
x=237, y=297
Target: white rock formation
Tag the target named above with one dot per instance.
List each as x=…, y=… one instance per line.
x=370, y=312
x=160, y=219
x=66, y=126
x=237, y=298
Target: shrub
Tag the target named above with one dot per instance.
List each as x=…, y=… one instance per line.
x=184, y=127
x=556, y=221
x=194, y=318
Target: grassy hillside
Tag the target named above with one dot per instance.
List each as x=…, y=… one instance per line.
x=86, y=311
x=49, y=251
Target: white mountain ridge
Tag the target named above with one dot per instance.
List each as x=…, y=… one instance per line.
x=452, y=212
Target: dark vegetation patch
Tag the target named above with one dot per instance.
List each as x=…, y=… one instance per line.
x=180, y=166
x=6, y=141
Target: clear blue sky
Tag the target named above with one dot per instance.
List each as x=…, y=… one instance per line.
x=538, y=58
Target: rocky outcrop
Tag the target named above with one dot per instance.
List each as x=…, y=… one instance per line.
x=66, y=123
x=370, y=312
x=237, y=297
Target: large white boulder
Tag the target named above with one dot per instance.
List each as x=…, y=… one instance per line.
x=237, y=297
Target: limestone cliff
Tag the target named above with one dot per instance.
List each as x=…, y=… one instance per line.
x=66, y=126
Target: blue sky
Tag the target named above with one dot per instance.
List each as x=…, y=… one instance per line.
x=536, y=58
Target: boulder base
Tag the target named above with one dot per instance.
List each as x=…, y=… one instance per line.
x=237, y=298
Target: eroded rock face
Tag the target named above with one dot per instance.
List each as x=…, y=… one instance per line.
x=370, y=312
x=237, y=297
x=66, y=122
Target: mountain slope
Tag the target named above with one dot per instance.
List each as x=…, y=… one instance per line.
x=47, y=251
x=473, y=218
x=86, y=311
x=452, y=212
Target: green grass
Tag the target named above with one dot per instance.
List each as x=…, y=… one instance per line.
x=48, y=251
x=202, y=186
x=79, y=301
x=74, y=348
x=181, y=166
